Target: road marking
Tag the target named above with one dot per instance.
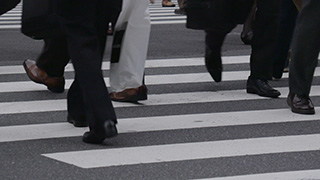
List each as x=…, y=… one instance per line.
x=188, y=151
x=158, y=123
x=290, y=175
x=153, y=100
x=156, y=63
x=21, y=86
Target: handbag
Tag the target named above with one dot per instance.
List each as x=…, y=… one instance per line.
x=39, y=19
x=216, y=14
x=7, y=5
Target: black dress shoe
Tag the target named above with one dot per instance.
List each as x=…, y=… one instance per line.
x=262, y=88
x=300, y=104
x=92, y=137
x=247, y=38
x=77, y=123
x=214, y=68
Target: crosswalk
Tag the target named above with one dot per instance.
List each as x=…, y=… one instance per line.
x=181, y=128
x=159, y=15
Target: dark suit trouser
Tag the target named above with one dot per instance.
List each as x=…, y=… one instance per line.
x=54, y=56
x=305, y=48
x=288, y=18
x=85, y=25
x=263, y=42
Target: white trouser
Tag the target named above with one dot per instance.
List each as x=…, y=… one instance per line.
x=134, y=20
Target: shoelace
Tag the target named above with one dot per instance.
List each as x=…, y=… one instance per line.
x=266, y=85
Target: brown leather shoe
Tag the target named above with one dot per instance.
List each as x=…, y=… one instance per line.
x=37, y=75
x=300, y=104
x=168, y=3
x=131, y=94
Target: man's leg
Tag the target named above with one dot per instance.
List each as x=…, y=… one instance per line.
x=304, y=59
x=130, y=52
x=263, y=44
x=48, y=69
x=80, y=22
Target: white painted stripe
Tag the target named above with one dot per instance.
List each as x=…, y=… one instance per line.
x=20, y=86
x=168, y=14
x=10, y=26
x=153, y=100
x=188, y=151
x=290, y=175
x=160, y=123
x=156, y=63
x=168, y=22
x=9, y=22
x=10, y=18
x=11, y=14
x=168, y=18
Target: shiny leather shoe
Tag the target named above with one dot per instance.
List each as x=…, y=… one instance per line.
x=37, y=75
x=262, y=88
x=168, y=3
x=131, y=94
x=77, y=123
x=300, y=104
x=214, y=68
x=93, y=138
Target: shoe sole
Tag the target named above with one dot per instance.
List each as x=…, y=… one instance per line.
x=55, y=90
x=133, y=99
x=77, y=123
x=253, y=91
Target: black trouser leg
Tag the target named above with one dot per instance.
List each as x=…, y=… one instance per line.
x=81, y=22
x=264, y=38
x=305, y=48
x=288, y=18
x=54, y=56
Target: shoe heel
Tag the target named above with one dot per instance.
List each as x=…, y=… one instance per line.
x=251, y=91
x=111, y=129
x=56, y=90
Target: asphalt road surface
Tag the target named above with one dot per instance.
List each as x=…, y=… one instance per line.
x=189, y=128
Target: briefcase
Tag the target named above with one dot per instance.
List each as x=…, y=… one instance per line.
x=214, y=14
x=7, y=5
x=39, y=19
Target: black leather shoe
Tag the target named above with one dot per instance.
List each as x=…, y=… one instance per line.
x=77, y=123
x=262, y=88
x=214, y=68
x=300, y=104
x=94, y=138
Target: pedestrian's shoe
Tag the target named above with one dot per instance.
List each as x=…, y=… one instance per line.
x=131, y=94
x=37, y=75
x=168, y=3
x=152, y=1
x=77, y=123
x=300, y=104
x=247, y=38
x=180, y=11
x=214, y=67
x=262, y=88
x=94, y=138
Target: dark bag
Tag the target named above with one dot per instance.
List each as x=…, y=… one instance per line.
x=7, y=5
x=39, y=19
x=214, y=14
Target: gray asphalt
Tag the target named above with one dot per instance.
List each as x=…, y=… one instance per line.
x=23, y=160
